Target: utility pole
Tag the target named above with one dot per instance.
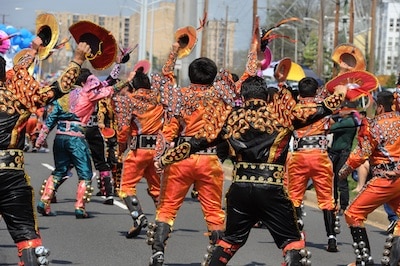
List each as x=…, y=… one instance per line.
x=203, y=51
x=255, y=7
x=226, y=37
x=371, y=62
x=351, y=24
x=336, y=32
x=321, y=26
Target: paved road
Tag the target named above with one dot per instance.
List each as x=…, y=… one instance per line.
x=100, y=240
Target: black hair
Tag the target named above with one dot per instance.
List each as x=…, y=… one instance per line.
x=85, y=73
x=271, y=91
x=2, y=69
x=254, y=87
x=385, y=98
x=308, y=87
x=141, y=80
x=202, y=71
x=235, y=77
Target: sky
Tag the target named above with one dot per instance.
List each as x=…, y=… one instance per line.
x=21, y=13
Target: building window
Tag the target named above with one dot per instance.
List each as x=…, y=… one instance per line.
x=398, y=24
x=391, y=24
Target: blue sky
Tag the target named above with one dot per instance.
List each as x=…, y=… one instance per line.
x=21, y=13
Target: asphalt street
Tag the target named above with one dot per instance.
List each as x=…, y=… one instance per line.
x=101, y=241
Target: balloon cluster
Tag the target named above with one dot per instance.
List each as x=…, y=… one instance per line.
x=16, y=38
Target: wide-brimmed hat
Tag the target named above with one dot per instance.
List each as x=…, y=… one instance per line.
x=145, y=64
x=19, y=55
x=359, y=83
x=282, y=69
x=349, y=54
x=47, y=29
x=101, y=41
x=187, y=39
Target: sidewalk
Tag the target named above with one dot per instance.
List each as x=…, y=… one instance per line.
x=378, y=218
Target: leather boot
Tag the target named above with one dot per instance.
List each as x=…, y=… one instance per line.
x=161, y=234
x=361, y=246
x=222, y=253
x=136, y=212
x=83, y=196
x=32, y=253
x=47, y=192
x=106, y=187
x=214, y=237
x=330, y=219
x=299, y=214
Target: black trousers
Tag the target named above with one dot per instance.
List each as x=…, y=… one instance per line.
x=97, y=148
x=248, y=203
x=16, y=205
x=341, y=187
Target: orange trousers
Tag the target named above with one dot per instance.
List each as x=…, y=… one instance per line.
x=138, y=164
x=377, y=192
x=205, y=172
x=314, y=164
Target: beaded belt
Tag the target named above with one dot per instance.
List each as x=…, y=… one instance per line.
x=380, y=169
x=71, y=128
x=12, y=159
x=143, y=142
x=209, y=150
x=311, y=142
x=260, y=173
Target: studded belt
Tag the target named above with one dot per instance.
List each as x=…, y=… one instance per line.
x=143, y=142
x=261, y=173
x=12, y=159
x=310, y=142
x=209, y=150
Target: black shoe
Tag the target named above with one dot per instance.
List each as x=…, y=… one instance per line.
x=138, y=224
x=332, y=246
x=391, y=227
x=157, y=259
x=109, y=200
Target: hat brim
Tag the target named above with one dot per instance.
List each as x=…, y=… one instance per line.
x=349, y=50
x=101, y=41
x=145, y=64
x=282, y=69
x=190, y=33
x=46, y=24
x=360, y=83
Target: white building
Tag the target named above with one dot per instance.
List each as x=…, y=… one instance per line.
x=387, y=37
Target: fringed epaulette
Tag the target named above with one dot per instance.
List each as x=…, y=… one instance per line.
x=69, y=76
